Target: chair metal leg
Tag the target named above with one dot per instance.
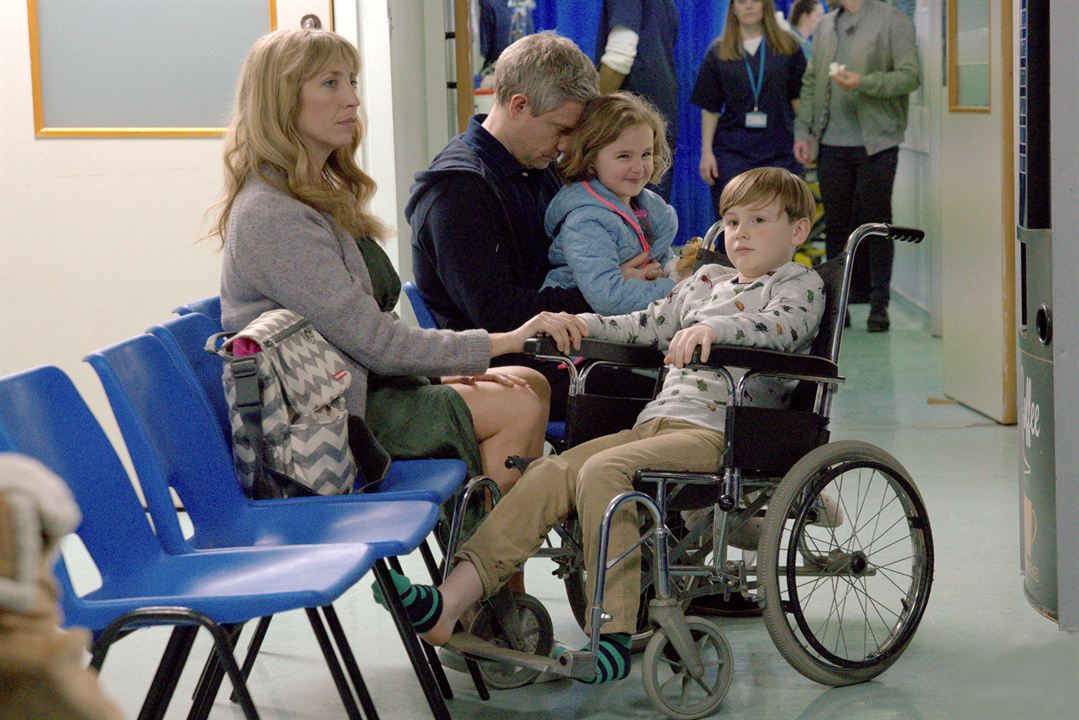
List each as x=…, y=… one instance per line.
x=429, y=561
x=223, y=646
x=179, y=616
x=436, y=664
x=212, y=674
x=437, y=670
x=209, y=667
x=395, y=563
x=253, y=648
x=168, y=672
x=412, y=643
x=331, y=662
x=349, y=660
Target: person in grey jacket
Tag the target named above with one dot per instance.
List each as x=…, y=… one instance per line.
x=605, y=216
x=854, y=101
x=298, y=234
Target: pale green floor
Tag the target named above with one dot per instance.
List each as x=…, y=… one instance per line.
x=980, y=653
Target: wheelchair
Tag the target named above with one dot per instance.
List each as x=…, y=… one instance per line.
x=844, y=562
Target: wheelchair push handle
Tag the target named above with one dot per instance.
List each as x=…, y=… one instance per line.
x=906, y=234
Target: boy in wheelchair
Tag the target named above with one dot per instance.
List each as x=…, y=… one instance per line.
x=767, y=301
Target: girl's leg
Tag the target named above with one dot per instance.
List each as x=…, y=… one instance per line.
x=508, y=421
x=434, y=612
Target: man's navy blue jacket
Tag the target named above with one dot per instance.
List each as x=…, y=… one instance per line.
x=479, y=250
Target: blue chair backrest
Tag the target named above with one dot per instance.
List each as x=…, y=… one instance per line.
x=43, y=416
x=184, y=337
x=211, y=307
x=419, y=307
x=173, y=440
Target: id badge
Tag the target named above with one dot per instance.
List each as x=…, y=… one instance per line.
x=756, y=120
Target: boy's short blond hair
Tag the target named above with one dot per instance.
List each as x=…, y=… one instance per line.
x=546, y=68
x=761, y=186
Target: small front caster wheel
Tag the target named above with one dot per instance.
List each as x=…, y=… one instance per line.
x=672, y=690
x=535, y=633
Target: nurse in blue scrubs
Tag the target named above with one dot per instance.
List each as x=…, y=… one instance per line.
x=747, y=87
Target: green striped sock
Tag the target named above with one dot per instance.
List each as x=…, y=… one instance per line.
x=423, y=603
x=612, y=658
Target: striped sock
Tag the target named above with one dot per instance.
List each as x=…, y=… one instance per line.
x=612, y=658
x=423, y=603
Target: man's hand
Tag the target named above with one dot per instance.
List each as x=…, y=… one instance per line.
x=803, y=151
x=685, y=341
x=707, y=168
x=847, y=79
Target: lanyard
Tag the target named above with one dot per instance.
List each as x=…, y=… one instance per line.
x=632, y=223
x=756, y=85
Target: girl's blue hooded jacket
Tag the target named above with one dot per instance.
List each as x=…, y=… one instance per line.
x=590, y=241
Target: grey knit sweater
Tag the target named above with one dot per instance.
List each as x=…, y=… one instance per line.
x=282, y=253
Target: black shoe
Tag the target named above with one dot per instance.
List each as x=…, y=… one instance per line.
x=846, y=320
x=878, y=321
x=737, y=606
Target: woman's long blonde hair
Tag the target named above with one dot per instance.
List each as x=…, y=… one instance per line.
x=779, y=40
x=263, y=137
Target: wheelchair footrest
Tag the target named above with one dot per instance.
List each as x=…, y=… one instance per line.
x=473, y=647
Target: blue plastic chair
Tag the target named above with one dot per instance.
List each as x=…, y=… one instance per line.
x=184, y=338
x=556, y=431
x=43, y=416
x=173, y=442
x=211, y=307
x=419, y=308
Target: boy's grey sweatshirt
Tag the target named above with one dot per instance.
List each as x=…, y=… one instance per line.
x=780, y=311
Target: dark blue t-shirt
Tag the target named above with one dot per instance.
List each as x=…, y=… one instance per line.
x=652, y=75
x=723, y=87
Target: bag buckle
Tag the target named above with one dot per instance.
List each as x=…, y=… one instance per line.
x=247, y=392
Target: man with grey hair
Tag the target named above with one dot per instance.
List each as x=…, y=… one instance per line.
x=479, y=249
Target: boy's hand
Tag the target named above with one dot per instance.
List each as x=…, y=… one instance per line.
x=685, y=341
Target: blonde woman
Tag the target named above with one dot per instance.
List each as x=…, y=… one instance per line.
x=747, y=87
x=298, y=234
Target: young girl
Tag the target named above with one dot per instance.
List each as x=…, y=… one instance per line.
x=604, y=216
x=746, y=88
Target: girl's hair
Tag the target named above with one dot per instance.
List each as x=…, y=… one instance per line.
x=761, y=186
x=602, y=121
x=263, y=137
x=729, y=45
x=800, y=8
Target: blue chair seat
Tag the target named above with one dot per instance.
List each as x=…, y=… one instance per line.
x=432, y=480
x=230, y=586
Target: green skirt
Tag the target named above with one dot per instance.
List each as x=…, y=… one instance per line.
x=413, y=419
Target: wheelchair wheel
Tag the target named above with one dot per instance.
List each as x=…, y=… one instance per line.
x=536, y=630
x=671, y=689
x=847, y=577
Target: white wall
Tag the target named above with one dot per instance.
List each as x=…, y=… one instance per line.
x=97, y=236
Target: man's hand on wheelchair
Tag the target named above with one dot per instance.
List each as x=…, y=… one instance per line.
x=685, y=341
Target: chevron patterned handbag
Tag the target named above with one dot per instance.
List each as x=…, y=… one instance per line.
x=285, y=386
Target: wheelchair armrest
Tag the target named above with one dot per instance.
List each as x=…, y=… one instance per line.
x=767, y=361
x=641, y=356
